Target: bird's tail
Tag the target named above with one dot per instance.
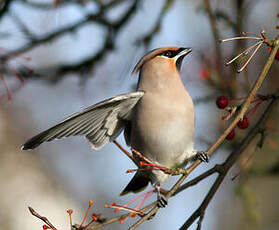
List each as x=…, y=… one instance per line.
x=137, y=184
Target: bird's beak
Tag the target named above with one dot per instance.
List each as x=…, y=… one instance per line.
x=179, y=57
x=183, y=53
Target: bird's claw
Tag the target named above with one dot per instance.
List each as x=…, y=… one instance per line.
x=202, y=156
x=161, y=201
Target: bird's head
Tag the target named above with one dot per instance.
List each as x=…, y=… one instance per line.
x=166, y=57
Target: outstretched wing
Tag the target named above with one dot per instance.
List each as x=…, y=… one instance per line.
x=100, y=123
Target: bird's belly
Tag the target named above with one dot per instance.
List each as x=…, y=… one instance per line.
x=169, y=145
x=164, y=135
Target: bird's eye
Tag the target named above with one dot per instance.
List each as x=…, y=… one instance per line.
x=166, y=53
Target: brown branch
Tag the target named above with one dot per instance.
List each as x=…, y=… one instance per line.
x=124, y=151
x=200, y=221
x=216, y=169
x=44, y=219
x=226, y=166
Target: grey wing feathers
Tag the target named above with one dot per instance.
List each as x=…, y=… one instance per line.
x=100, y=123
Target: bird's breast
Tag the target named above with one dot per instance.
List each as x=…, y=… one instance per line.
x=163, y=128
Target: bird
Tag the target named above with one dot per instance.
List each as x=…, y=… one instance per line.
x=158, y=120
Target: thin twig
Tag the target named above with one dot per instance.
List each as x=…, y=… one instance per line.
x=124, y=150
x=249, y=59
x=200, y=220
x=239, y=38
x=244, y=52
x=44, y=219
x=251, y=33
x=196, y=180
x=141, y=156
x=121, y=207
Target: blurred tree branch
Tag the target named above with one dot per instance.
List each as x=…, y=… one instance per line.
x=146, y=40
x=5, y=5
x=56, y=73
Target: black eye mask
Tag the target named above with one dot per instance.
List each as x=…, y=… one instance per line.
x=171, y=53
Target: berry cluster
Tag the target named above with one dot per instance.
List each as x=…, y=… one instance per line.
x=222, y=102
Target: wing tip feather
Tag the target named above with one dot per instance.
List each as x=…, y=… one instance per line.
x=23, y=147
x=31, y=144
x=27, y=146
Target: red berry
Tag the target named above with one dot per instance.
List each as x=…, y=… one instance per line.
x=69, y=211
x=90, y=203
x=222, y=102
x=205, y=74
x=244, y=123
x=231, y=135
x=94, y=217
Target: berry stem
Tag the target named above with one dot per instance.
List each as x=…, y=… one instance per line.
x=239, y=38
x=86, y=214
x=244, y=52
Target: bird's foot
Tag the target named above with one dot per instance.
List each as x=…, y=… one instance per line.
x=161, y=199
x=148, y=164
x=202, y=156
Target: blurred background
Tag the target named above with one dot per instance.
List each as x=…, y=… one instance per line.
x=58, y=57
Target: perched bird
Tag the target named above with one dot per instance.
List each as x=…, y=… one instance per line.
x=158, y=120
